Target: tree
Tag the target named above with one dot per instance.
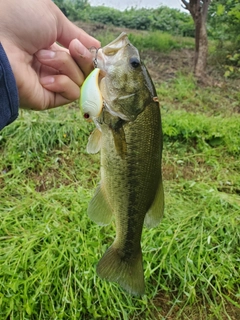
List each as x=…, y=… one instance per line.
x=224, y=21
x=224, y=26
x=198, y=10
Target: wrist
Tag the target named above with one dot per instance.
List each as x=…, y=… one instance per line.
x=14, y=56
x=9, y=103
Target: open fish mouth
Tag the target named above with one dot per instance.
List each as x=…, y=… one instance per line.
x=100, y=55
x=116, y=94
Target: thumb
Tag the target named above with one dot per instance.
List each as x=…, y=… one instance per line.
x=67, y=31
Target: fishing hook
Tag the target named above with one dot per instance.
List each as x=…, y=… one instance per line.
x=94, y=52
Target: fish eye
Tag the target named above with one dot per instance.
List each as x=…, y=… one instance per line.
x=86, y=115
x=134, y=62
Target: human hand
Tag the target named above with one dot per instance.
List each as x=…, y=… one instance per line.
x=47, y=74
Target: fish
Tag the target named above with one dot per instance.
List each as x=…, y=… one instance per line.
x=128, y=135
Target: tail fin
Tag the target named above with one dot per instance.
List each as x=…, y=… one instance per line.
x=128, y=274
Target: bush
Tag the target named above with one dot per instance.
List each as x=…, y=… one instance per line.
x=159, y=41
x=163, y=18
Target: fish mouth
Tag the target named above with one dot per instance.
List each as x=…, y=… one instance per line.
x=117, y=44
x=104, y=58
x=103, y=55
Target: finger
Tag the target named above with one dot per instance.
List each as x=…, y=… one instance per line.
x=57, y=47
x=60, y=90
x=63, y=63
x=66, y=31
x=81, y=55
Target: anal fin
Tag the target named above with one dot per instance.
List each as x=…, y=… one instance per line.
x=99, y=209
x=155, y=213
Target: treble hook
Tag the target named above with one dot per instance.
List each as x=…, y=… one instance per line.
x=94, y=52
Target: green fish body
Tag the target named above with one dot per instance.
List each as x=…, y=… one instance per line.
x=129, y=135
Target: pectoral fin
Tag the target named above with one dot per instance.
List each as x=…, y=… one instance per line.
x=155, y=213
x=99, y=209
x=94, y=141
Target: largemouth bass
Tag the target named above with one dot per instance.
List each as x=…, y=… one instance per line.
x=129, y=135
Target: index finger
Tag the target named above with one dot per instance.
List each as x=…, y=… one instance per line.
x=67, y=31
x=82, y=56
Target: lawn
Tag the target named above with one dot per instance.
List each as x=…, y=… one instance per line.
x=49, y=247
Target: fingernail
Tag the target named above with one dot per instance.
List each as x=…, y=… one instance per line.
x=81, y=50
x=47, y=80
x=45, y=54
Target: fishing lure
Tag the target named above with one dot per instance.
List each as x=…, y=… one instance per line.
x=91, y=101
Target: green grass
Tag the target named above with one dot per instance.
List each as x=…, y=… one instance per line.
x=153, y=40
x=160, y=41
x=49, y=248
x=182, y=92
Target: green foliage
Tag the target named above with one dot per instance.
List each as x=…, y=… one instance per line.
x=182, y=92
x=224, y=20
x=200, y=132
x=71, y=7
x=232, y=65
x=162, y=42
x=152, y=40
x=162, y=18
x=102, y=14
x=227, y=57
x=173, y=21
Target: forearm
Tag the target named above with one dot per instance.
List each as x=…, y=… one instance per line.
x=9, y=102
